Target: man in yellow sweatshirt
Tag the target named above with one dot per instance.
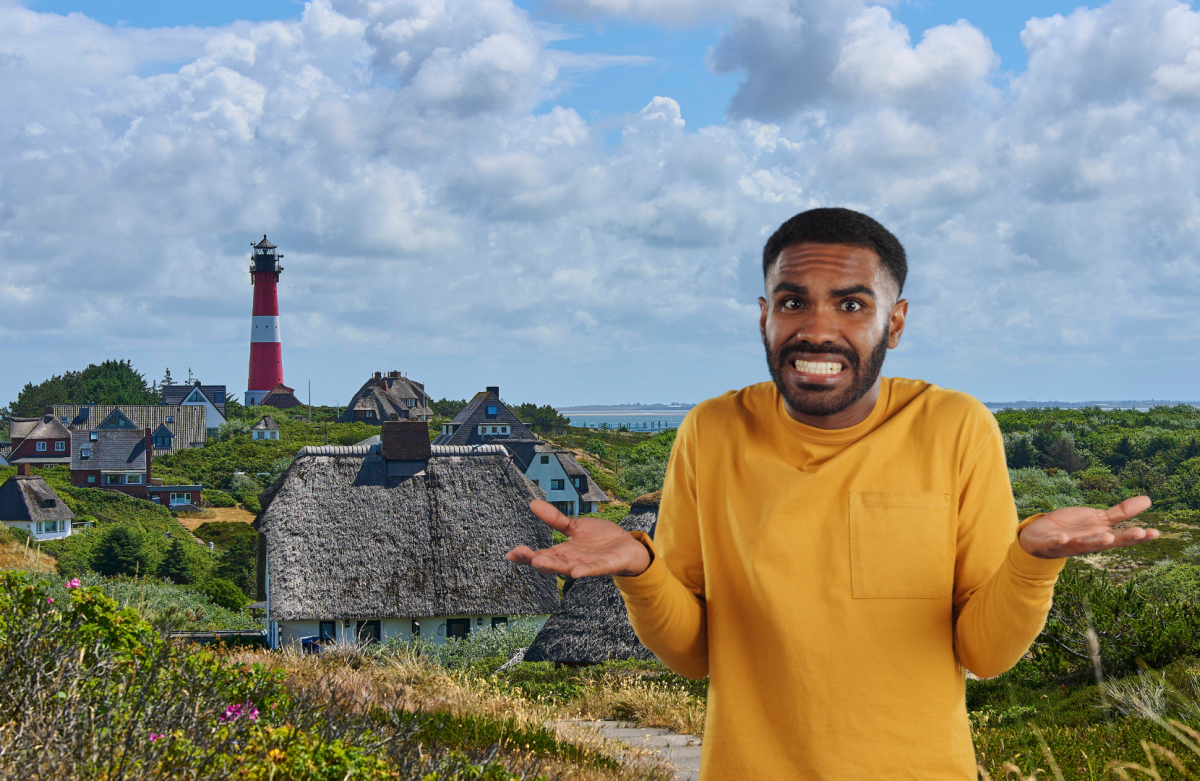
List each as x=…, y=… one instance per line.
x=835, y=548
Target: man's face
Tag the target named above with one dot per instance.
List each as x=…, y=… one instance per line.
x=830, y=315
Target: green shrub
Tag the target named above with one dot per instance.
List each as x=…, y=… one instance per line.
x=238, y=563
x=223, y=593
x=218, y=498
x=482, y=643
x=250, y=502
x=122, y=550
x=221, y=533
x=1035, y=491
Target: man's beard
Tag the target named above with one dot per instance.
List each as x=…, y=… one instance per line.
x=823, y=400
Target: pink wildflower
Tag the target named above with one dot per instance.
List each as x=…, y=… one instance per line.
x=73, y=583
x=239, y=710
x=155, y=736
x=49, y=600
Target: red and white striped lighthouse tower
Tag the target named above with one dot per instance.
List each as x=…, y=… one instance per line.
x=266, y=355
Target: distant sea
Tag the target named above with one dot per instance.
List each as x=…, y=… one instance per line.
x=659, y=417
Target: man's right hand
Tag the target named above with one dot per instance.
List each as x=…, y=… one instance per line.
x=594, y=547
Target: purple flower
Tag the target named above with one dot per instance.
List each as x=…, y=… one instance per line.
x=240, y=710
x=73, y=583
x=49, y=600
x=155, y=736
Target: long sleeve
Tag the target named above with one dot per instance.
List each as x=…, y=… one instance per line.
x=666, y=602
x=1001, y=593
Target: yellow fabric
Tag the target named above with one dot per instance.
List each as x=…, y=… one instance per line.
x=830, y=582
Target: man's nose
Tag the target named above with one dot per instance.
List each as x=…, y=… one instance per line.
x=819, y=327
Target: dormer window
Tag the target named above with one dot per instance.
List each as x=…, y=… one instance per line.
x=170, y=418
x=219, y=397
x=85, y=452
x=93, y=436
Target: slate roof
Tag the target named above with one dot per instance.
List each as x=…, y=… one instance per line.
x=591, y=624
x=117, y=451
x=386, y=396
x=473, y=415
x=428, y=544
x=592, y=492
x=188, y=425
x=175, y=395
x=30, y=498
x=264, y=244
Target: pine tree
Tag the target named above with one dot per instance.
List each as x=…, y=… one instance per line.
x=167, y=378
x=190, y=378
x=175, y=565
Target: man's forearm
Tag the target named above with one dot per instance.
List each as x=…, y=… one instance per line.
x=669, y=619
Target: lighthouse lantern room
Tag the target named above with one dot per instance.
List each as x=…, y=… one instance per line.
x=266, y=355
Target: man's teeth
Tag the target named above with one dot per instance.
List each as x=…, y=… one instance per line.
x=818, y=367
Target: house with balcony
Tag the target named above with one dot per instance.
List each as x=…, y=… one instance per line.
x=28, y=502
x=121, y=459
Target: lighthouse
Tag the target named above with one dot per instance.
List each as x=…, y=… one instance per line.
x=266, y=355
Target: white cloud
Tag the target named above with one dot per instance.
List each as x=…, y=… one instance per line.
x=392, y=148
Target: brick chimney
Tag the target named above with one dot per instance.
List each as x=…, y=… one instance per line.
x=494, y=390
x=23, y=470
x=378, y=375
x=149, y=453
x=405, y=440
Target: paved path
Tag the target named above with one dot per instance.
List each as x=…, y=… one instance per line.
x=680, y=751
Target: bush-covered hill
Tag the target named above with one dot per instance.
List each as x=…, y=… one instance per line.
x=111, y=382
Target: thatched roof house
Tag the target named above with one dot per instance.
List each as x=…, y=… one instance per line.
x=383, y=396
x=281, y=397
x=590, y=625
x=265, y=427
x=28, y=502
x=399, y=538
x=486, y=419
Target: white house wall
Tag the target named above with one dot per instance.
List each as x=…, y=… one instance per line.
x=212, y=416
x=31, y=528
x=544, y=473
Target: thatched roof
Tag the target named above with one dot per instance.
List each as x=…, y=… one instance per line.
x=350, y=535
x=590, y=625
x=389, y=395
x=265, y=423
x=30, y=498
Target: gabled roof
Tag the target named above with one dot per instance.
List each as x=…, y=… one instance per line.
x=175, y=395
x=163, y=431
x=265, y=423
x=419, y=546
x=19, y=428
x=591, y=492
x=30, y=498
x=187, y=423
x=45, y=427
x=117, y=420
x=280, y=397
x=264, y=244
x=591, y=624
x=475, y=414
x=112, y=450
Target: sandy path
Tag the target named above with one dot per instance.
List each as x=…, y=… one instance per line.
x=231, y=514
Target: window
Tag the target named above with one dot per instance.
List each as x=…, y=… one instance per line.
x=566, y=508
x=39, y=527
x=219, y=397
x=328, y=631
x=156, y=499
x=416, y=628
x=65, y=418
x=491, y=410
x=51, y=527
x=133, y=479
x=458, y=627
x=112, y=479
x=367, y=631
x=93, y=436
x=85, y=452
x=500, y=621
x=40, y=447
x=91, y=478
x=181, y=498
x=162, y=441
x=545, y=459
x=60, y=447
x=558, y=485
x=170, y=418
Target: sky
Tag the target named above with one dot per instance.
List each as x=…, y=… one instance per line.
x=568, y=198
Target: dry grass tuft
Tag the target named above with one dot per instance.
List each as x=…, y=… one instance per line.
x=15, y=555
x=645, y=702
x=361, y=680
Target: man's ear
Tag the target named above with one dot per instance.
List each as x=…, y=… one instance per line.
x=896, y=323
x=762, y=316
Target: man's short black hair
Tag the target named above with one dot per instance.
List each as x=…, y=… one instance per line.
x=838, y=226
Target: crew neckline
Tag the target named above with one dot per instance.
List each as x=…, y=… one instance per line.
x=837, y=436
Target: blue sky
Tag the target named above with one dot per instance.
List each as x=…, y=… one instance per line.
x=568, y=197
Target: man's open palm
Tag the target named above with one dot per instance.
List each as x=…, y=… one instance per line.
x=1074, y=531
x=594, y=547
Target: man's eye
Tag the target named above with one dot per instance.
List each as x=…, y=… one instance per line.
x=852, y=306
x=793, y=304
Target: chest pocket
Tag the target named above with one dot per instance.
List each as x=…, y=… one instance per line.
x=901, y=545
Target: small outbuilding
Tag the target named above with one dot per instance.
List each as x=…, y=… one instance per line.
x=591, y=625
x=28, y=502
x=399, y=539
x=265, y=428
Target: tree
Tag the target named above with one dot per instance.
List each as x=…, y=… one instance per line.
x=183, y=563
x=111, y=382
x=1122, y=454
x=1019, y=451
x=190, y=379
x=544, y=418
x=167, y=377
x=1061, y=455
x=123, y=551
x=238, y=564
x=447, y=408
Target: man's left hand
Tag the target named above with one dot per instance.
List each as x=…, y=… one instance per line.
x=1076, y=531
